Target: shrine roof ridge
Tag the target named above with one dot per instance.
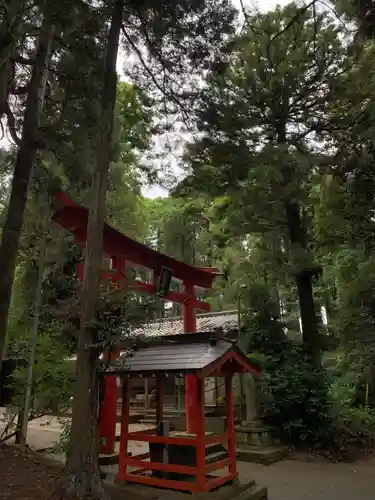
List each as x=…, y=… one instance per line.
x=205, y=354
x=227, y=321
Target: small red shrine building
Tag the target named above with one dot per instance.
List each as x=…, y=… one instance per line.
x=177, y=460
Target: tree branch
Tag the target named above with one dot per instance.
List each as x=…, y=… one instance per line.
x=152, y=76
x=299, y=13
x=23, y=60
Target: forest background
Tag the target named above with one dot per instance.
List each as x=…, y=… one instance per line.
x=257, y=128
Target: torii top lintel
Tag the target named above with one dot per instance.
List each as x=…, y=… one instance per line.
x=116, y=244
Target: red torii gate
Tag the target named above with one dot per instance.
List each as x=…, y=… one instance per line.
x=124, y=251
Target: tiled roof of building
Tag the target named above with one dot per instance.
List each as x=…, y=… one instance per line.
x=226, y=321
x=183, y=354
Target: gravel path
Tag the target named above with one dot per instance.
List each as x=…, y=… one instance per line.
x=295, y=480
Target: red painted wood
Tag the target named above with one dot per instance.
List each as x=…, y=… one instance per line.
x=108, y=416
x=213, y=270
x=217, y=368
x=74, y=218
x=177, y=297
x=63, y=200
x=190, y=326
x=201, y=444
x=230, y=424
x=217, y=465
x=124, y=438
x=219, y=481
x=164, y=483
x=164, y=439
x=182, y=469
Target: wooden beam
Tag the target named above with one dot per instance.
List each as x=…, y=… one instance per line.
x=139, y=286
x=74, y=218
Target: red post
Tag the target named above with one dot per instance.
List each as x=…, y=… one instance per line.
x=108, y=419
x=230, y=424
x=200, y=430
x=124, y=438
x=108, y=415
x=190, y=326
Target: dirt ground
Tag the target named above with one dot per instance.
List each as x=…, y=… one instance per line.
x=29, y=476
x=26, y=478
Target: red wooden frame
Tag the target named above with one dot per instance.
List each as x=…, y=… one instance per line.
x=140, y=286
x=142, y=462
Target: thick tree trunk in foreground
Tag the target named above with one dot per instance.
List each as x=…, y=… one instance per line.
x=82, y=468
x=21, y=177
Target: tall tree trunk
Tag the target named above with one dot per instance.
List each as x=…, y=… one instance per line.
x=9, y=25
x=304, y=277
x=82, y=467
x=25, y=160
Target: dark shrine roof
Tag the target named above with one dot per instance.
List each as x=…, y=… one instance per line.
x=203, y=354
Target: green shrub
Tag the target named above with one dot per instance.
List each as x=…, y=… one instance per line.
x=294, y=391
x=295, y=398
x=53, y=377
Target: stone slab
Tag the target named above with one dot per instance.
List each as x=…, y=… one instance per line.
x=264, y=456
x=236, y=491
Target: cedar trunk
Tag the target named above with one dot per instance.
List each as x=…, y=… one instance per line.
x=304, y=278
x=82, y=468
x=25, y=160
x=310, y=332
x=8, y=38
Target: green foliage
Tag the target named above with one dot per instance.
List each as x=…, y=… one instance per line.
x=53, y=375
x=285, y=119
x=294, y=396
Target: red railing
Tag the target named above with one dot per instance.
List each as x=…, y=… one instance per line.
x=202, y=482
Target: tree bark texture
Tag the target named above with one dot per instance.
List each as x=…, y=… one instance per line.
x=82, y=468
x=25, y=160
x=310, y=332
x=303, y=278
x=12, y=10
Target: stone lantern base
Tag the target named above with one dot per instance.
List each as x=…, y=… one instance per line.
x=255, y=443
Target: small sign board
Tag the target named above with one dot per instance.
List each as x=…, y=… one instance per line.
x=164, y=282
